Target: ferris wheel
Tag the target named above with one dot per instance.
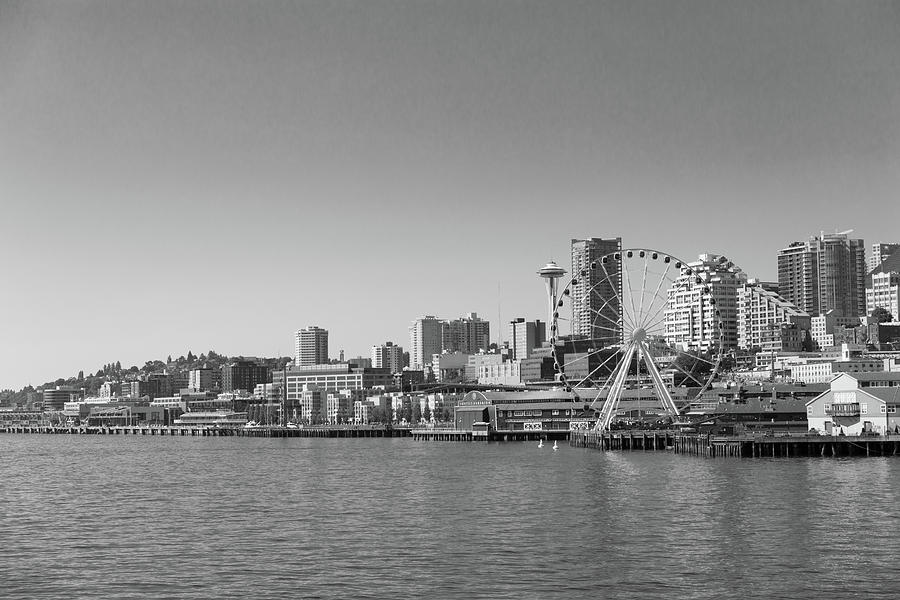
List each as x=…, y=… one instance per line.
x=635, y=319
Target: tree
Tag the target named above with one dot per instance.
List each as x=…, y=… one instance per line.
x=426, y=414
x=190, y=357
x=881, y=315
x=118, y=367
x=416, y=411
x=80, y=375
x=169, y=359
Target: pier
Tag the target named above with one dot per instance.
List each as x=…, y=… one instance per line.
x=334, y=431
x=755, y=446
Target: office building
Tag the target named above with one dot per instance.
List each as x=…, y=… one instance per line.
x=243, y=375
x=330, y=378
x=204, y=379
x=387, y=356
x=596, y=295
x=525, y=336
x=469, y=335
x=311, y=346
x=425, y=339
x=825, y=273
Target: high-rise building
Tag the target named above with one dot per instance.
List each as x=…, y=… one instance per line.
x=204, y=379
x=244, y=375
x=525, y=336
x=691, y=305
x=880, y=252
x=883, y=287
x=760, y=315
x=469, y=335
x=388, y=356
x=595, y=296
x=825, y=273
x=425, y=336
x=311, y=346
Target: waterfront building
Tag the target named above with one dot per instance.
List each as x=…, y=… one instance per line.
x=244, y=375
x=822, y=371
x=340, y=376
x=880, y=252
x=268, y=392
x=425, y=340
x=469, y=334
x=769, y=324
x=56, y=399
x=595, y=296
x=694, y=301
x=339, y=405
x=223, y=419
x=525, y=336
x=824, y=273
x=311, y=346
x=848, y=408
x=387, y=356
x=362, y=412
x=314, y=404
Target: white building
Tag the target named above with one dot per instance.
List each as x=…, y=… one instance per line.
x=706, y=286
x=851, y=409
x=880, y=252
x=500, y=373
x=424, y=341
x=822, y=327
x=313, y=405
x=761, y=311
x=388, y=356
x=525, y=336
x=311, y=346
x=884, y=292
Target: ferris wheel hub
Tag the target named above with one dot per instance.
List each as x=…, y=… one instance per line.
x=639, y=335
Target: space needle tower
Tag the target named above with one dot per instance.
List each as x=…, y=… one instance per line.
x=551, y=272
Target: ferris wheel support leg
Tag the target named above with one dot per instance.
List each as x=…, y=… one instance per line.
x=661, y=389
x=615, y=392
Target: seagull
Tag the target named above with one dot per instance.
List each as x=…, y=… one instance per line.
x=541, y=443
x=555, y=447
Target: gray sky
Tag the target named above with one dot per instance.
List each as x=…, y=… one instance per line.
x=183, y=176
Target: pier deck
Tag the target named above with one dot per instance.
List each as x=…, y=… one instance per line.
x=320, y=432
x=757, y=446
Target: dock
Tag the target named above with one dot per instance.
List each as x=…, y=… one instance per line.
x=745, y=446
x=334, y=431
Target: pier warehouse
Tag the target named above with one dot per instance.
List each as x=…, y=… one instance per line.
x=857, y=403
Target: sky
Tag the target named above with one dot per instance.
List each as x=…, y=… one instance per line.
x=181, y=176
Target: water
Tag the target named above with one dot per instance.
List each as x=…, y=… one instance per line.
x=138, y=517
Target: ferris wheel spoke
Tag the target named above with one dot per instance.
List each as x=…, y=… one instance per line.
x=643, y=289
x=606, y=303
x=662, y=278
x=600, y=366
x=675, y=365
x=582, y=356
x=600, y=314
x=617, y=291
x=630, y=297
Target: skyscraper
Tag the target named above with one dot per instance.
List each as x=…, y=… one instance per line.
x=311, y=346
x=388, y=356
x=468, y=334
x=597, y=293
x=424, y=341
x=525, y=336
x=825, y=273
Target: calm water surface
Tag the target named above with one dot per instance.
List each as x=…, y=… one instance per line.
x=137, y=517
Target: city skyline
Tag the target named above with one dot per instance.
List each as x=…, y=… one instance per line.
x=176, y=146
